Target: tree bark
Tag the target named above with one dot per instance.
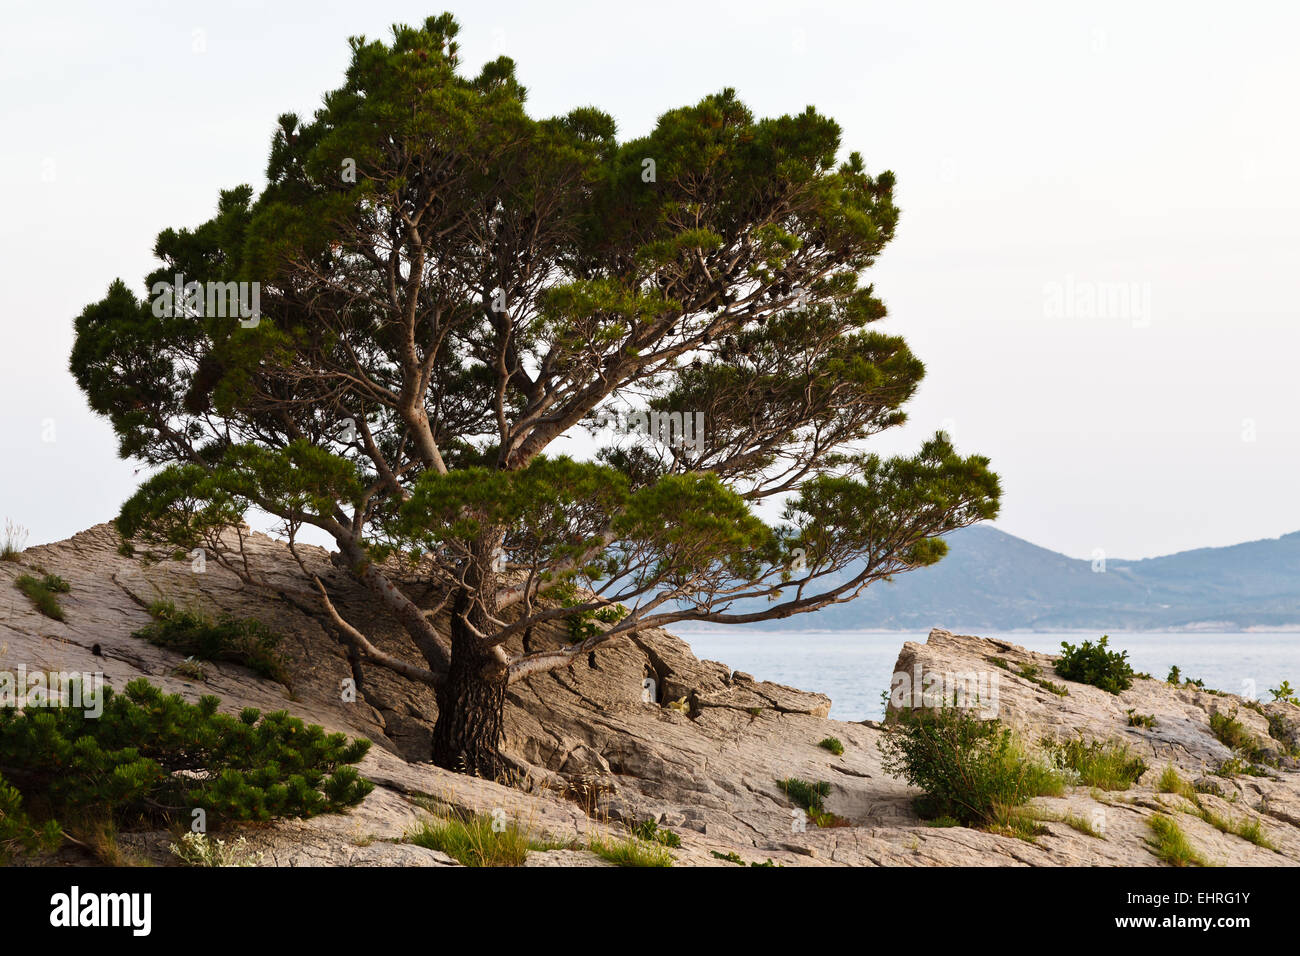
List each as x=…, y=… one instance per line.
x=471, y=704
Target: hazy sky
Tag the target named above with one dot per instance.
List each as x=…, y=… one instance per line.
x=1097, y=257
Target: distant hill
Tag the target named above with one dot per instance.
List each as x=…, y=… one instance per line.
x=993, y=580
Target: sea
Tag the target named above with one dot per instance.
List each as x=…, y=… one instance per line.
x=852, y=668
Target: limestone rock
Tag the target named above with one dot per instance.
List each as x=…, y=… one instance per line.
x=599, y=754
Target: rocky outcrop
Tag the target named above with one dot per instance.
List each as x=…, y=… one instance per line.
x=641, y=730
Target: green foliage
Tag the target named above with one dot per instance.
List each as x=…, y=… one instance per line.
x=1170, y=844
x=1030, y=673
x=833, y=744
x=42, y=593
x=732, y=857
x=1094, y=664
x=1234, y=735
x=1135, y=719
x=1175, y=675
x=582, y=624
x=1172, y=782
x=630, y=851
x=1108, y=765
x=1252, y=831
x=478, y=840
x=650, y=831
x=151, y=755
x=17, y=832
x=1236, y=767
x=811, y=797
x=547, y=278
x=239, y=640
x=1285, y=694
x=971, y=770
x=804, y=793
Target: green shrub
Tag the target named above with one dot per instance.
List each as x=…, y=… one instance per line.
x=17, y=832
x=808, y=795
x=1096, y=665
x=1175, y=675
x=42, y=593
x=1285, y=693
x=1170, y=844
x=1140, y=720
x=649, y=830
x=833, y=744
x=1106, y=766
x=1235, y=767
x=1232, y=733
x=237, y=640
x=155, y=757
x=968, y=769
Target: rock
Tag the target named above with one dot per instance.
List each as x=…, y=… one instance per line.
x=597, y=755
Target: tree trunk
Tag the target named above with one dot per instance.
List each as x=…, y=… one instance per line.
x=471, y=704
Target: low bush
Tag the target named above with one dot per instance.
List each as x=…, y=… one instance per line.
x=152, y=757
x=650, y=831
x=1140, y=720
x=237, y=640
x=1285, y=694
x=17, y=832
x=968, y=769
x=1095, y=664
x=833, y=744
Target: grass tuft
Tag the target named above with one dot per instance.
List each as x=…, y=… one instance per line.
x=478, y=840
x=43, y=591
x=1170, y=844
x=630, y=851
x=1106, y=766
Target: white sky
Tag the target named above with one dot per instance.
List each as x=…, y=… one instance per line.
x=1151, y=147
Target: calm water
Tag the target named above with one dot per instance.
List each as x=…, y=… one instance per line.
x=853, y=667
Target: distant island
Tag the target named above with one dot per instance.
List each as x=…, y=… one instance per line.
x=992, y=580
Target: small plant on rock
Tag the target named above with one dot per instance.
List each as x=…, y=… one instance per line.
x=195, y=849
x=238, y=640
x=43, y=591
x=1095, y=664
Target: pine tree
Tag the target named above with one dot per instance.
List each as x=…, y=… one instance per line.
x=155, y=756
x=446, y=287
